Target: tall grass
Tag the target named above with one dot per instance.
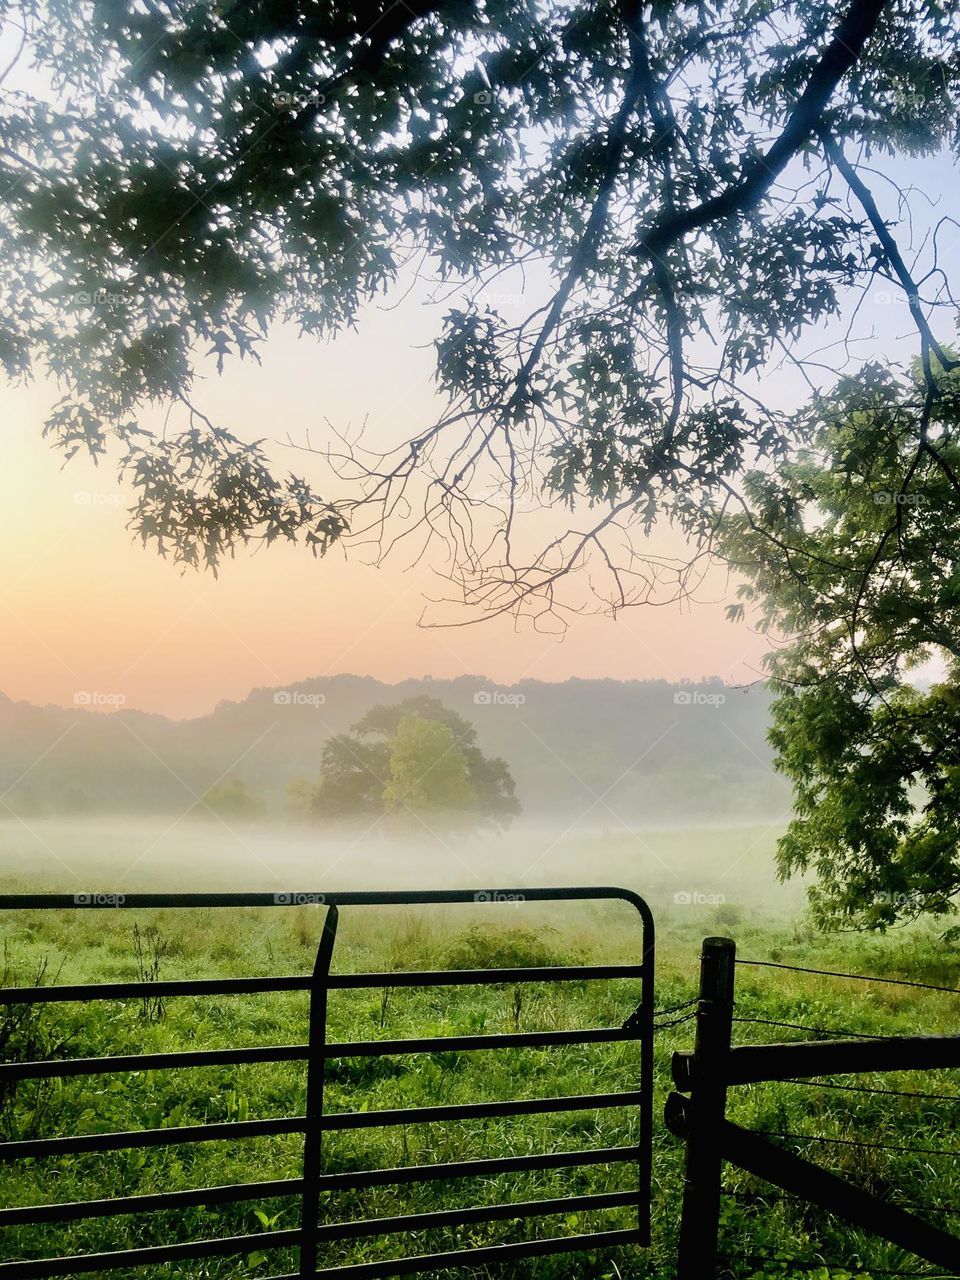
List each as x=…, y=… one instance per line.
x=786, y=1236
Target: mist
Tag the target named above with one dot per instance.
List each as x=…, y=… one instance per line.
x=698, y=870
x=668, y=790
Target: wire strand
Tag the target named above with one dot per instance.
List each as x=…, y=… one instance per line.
x=777, y=1197
x=857, y=977
x=751, y=1259
x=862, y=1088
x=820, y=1031
x=856, y=1142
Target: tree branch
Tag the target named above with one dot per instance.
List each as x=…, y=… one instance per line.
x=853, y=180
x=836, y=60
x=616, y=145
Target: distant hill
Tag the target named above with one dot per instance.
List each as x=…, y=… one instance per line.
x=634, y=751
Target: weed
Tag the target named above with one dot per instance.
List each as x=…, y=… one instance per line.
x=149, y=949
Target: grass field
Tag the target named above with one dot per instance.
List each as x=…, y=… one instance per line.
x=762, y=1235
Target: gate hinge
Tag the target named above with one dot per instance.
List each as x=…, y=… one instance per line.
x=633, y=1023
x=676, y=1113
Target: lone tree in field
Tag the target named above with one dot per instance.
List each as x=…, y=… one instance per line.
x=428, y=771
x=694, y=194
x=415, y=759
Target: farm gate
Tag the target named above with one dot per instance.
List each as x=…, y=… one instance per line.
x=306, y=1190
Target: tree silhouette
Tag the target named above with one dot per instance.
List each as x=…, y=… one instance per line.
x=414, y=757
x=687, y=188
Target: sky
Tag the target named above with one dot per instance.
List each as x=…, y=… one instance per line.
x=86, y=609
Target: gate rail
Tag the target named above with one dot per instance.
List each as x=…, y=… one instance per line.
x=715, y=1065
x=315, y=1053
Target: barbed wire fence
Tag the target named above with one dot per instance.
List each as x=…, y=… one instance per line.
x=780, y=1156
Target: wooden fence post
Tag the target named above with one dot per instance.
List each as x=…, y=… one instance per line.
x=700, y=1219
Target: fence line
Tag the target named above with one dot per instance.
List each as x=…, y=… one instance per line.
x=864, y=1088
x=716, y=1065
x=816, y=1031
x=858, y=1142
x=706, y=1075
x=778, y=1197
x=856, y=977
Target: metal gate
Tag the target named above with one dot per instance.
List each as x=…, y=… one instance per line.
x=310, y=1236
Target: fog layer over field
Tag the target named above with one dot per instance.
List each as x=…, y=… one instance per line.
x=684, y=867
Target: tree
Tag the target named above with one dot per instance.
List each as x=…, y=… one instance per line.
x=428, y=771
x=686, y=187
x=299, y=796
x=232, y=801
x=853, y=554
x=414, y=756
x=353, y=775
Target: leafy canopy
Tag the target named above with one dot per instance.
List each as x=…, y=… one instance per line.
x=852, y=554
x=428, y=771
x=180, y=175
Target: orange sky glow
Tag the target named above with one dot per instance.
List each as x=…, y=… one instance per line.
x=86, y=609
